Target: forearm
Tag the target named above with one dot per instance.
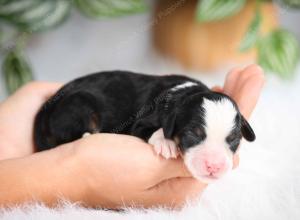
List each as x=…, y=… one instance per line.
x=45, y=177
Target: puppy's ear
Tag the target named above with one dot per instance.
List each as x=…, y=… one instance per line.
x=168, y=125
x=247, y=131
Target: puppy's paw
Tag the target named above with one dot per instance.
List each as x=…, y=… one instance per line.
x=162, y=146
x=166, y=148
x=86, y=134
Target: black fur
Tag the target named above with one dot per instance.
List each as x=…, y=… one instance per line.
x=129, y=103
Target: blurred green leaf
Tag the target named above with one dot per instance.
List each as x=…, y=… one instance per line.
x=2, y=2
x=1, y=36
x=35, y=15
x=291, y=3
x=15, y=6
x=8, y=37
x=252, y=33
x=279, y=52
x=60, y=13
x=110, y=8
x=212, y=10
x=16, y=70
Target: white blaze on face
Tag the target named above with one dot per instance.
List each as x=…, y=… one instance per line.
x=212, y=158
x=183, y=86
x=219, y=120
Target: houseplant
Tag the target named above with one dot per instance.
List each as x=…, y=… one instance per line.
x=208, y=34
x=20, y=19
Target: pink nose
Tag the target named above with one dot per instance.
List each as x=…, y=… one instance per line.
x=213, y=166
x=208, y=162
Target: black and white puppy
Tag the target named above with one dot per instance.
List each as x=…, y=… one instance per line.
x=176, y=114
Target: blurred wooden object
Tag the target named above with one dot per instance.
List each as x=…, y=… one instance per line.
x=205, y=46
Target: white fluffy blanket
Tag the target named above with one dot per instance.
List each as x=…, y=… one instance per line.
x=265, y=186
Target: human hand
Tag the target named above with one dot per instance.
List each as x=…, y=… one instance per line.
x=121, y=170
x=244, y=86
x=150, y=181
x=17, y=117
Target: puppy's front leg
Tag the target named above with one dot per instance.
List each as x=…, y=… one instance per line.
x=162, y=146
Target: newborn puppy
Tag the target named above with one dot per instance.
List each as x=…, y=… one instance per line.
x=175, y=114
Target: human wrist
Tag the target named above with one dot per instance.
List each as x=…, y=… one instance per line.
x=85, y=161
x=64, y=178
x=44, y=177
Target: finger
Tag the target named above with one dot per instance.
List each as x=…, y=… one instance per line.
x=44, y=87
x=250, y=70
x=253, y=81
x=236, y=161
x=172, y=168
x=125, y=146
x=174, y=193
x=48, y=89
x=41, y=90
x=217, y=89
x=52, y=88
x=231, y=80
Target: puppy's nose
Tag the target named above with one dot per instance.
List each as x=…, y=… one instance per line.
x=207, y=164
x=214, y=167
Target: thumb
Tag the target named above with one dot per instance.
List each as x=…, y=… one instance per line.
x=172, y=168
x=236, y=160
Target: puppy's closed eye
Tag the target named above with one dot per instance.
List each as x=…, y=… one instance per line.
x=234, y=141
x=193, y=137
x=200, y=133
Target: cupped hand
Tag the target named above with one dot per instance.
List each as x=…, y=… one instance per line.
x=17, y=116
x=121, y=170
x=244, y=86
x=117, y=170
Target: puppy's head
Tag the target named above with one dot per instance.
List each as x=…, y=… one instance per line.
x=208, y=128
